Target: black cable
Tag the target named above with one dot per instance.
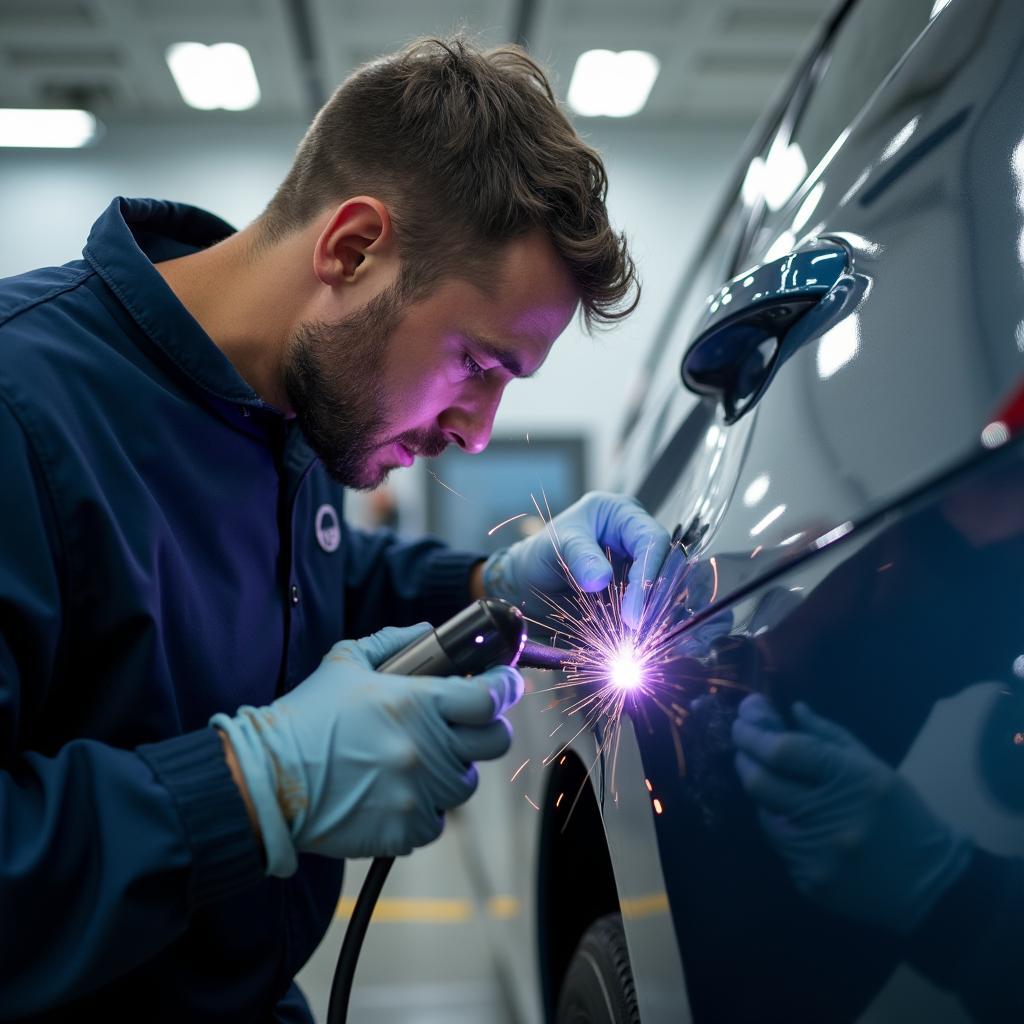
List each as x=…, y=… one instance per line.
x=344, y=973
x=485, y=634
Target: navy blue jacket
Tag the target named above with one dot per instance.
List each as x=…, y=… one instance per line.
x=160, y=560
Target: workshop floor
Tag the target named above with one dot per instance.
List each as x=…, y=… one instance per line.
x=426, y=959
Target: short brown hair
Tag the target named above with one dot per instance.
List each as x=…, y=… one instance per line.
x=470, y=147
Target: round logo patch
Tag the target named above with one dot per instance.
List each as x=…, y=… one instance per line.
x=328, y=529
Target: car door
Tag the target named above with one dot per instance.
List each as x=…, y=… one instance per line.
x=825, y=490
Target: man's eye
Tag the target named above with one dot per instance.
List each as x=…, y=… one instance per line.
x=473, y=368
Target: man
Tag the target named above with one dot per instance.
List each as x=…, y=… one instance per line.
x=185, y=756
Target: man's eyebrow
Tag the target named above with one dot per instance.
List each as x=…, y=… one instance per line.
x=500, y=354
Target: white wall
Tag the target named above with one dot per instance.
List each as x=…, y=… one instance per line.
x=664, y=183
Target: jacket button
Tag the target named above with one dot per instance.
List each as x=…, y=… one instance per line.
x=294, y=595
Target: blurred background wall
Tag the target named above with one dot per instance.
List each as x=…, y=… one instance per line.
x=719, y=64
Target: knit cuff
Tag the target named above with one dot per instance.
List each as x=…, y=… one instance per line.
x=446, y=589
x=225, y=854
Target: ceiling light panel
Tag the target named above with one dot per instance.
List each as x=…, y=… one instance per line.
x=46, y=129
x=609, y=84
x=217, y=77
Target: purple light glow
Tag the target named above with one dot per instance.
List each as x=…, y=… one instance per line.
x=625, y=667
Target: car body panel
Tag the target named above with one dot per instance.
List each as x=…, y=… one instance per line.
x=906, y=631
x=891, y=359
x=632, y=841
x=849, y=540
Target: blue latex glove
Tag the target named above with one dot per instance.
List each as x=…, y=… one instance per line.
x=356, y=763
x=584, y=531
x=856, y=836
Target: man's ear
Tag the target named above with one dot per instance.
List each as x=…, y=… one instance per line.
x=356, y=233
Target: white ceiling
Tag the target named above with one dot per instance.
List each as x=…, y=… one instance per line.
x=721, y=59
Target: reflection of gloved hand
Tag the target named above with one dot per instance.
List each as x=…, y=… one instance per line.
x=856, y=836
x=356, y=763
x=582, y=532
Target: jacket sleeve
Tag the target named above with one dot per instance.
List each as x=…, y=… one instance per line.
x=389, y=582
x=104, y=853
x=973, y=940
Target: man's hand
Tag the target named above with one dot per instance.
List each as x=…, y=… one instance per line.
x=581, y=533
x=855, y=835
x=356, y=763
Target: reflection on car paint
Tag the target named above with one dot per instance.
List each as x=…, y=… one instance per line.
x=872, y=633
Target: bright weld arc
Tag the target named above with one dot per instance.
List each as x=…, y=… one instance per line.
x=591, y=627
x=598, y=634
x=625, y=667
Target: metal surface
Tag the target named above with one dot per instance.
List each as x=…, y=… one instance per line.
x=749, y=327
x=851, y=541
x=484, y=634
x=855, y=631
x=856, y=463
x=886, y=397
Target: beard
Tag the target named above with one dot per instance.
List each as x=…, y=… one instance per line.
x=334, y=377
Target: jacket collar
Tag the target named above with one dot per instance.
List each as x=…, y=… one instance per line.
x=129, y=237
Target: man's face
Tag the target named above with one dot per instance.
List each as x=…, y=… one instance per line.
x=388, y=382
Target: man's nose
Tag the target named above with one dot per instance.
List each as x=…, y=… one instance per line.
x=470, y=426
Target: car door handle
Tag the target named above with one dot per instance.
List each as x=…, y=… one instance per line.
x=738, y=345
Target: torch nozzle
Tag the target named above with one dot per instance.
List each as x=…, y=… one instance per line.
x=535, y=655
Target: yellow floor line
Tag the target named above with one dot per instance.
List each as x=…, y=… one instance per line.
x=441, y=911
x=431, y=911
x=422, y=911
x=645, y=906
x=503, y=907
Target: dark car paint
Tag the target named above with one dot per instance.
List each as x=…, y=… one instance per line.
x=935, y=325
x=883, y=588
x=876, y=593
x=886, y=593
x=914, y=608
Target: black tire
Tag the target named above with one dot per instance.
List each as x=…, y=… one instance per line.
x=598, y=987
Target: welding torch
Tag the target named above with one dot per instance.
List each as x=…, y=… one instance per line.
x=486, y=634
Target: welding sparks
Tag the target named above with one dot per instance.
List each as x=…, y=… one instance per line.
x=519, y=769
x=531, y=803
x=446, y=487
x=615, y=668
x=505, y=522
x=615, y=663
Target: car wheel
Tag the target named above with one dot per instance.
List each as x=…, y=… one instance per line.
x=598, y=987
